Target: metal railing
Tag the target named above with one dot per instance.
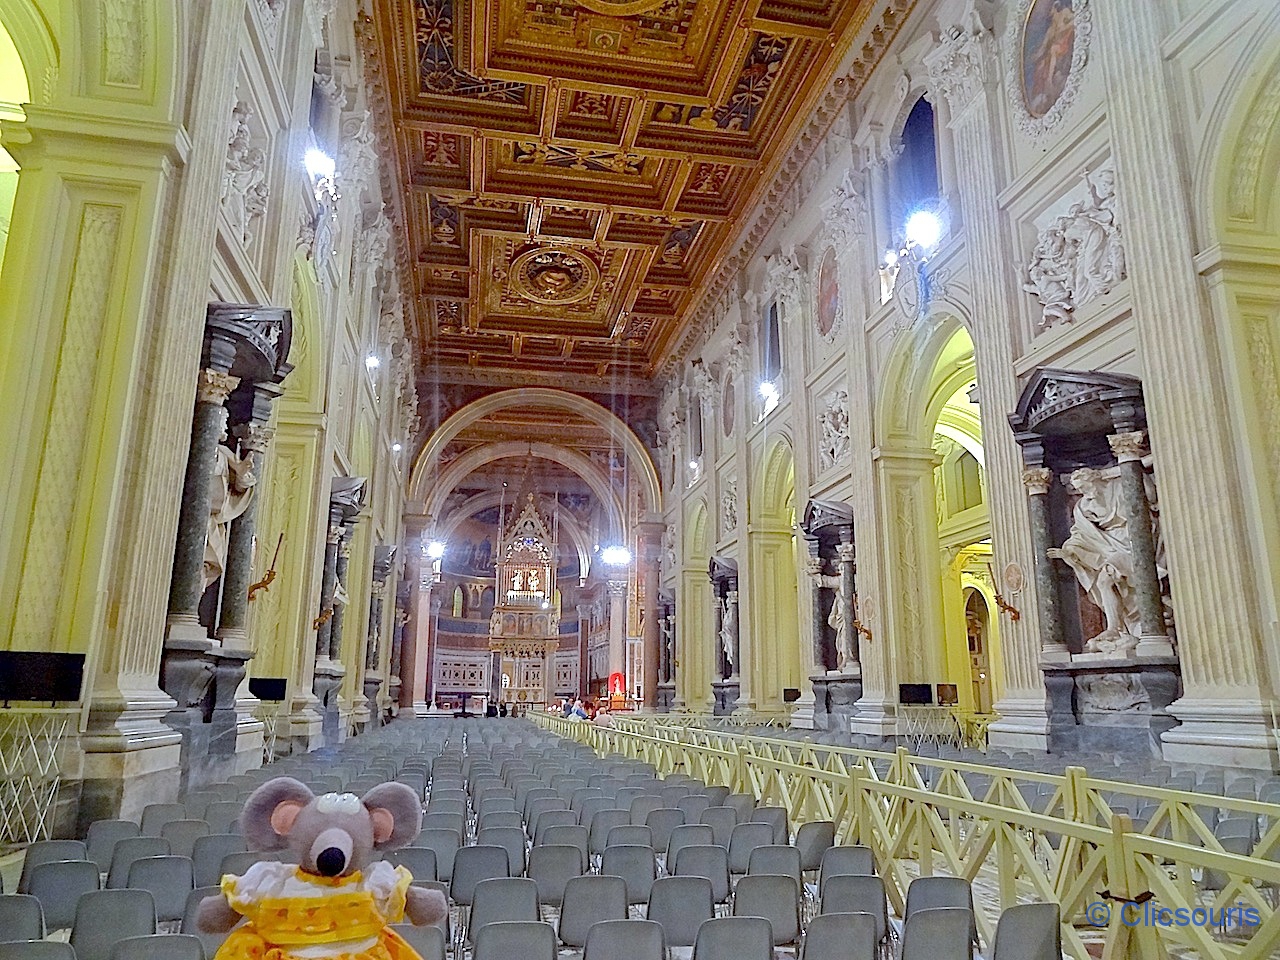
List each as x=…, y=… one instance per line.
x=1019, y=835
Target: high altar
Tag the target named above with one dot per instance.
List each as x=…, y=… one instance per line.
x=525, y=626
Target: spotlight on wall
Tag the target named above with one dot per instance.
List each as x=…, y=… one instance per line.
x=769, y=390
x=924, y=229
x=435, y=549
x=372, y=362
x=396, y=448
x=693, y=464
x=320, y=166
x=615, y=556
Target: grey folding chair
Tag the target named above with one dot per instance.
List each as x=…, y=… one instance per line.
x=661, y=822
x=1029, y=931
x=445, y=821
x=189, y=925
x=742, y=803
x=711, y=862
x=776, y=817
x=21, y=917
x=681, y=905
x=107, y=916
x=499, y=818
x=734, y=938
x=602, y=823
x=183, y=834
x=687, y=835
x=842, y=936
x=552, y=818
x=165, y=946
x=846, y=861
x=642, y=806
x=693, y=804
x=745, y=838
x=473, y=865
x=223, y=816
x=58, y=886
x=156, y=815
x=721, y=820
x=36, y=950
x=813, y=840
x=128, y=850
x=929, y=893
x=937, y=933
x=570, y=836
x=551, y=866
x=427, y=942
x=631, y=835
x=510, y=839
x=238, y=863
x=718, y=794
x=499, y=899
x=776, y=898
x=101, y=840
x=48, y=851
x=419, y=861
x=526, y=939
x=208, y=853
x=849, y=893
x=169, y=880
x=775, y=858
x=633, y=939
x=636, y=865
x=588, y=900
x=445, y=843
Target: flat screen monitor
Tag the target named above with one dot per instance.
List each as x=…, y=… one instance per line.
x=271, y=689
x=948, y=695
x=38, y=676
x=915, y=693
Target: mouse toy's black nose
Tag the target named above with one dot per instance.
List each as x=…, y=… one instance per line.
x=331, y=861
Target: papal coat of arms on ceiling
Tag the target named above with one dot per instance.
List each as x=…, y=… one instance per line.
x=554, y=275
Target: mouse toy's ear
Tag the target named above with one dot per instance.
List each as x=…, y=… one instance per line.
x=270, y=811
x=396, y=814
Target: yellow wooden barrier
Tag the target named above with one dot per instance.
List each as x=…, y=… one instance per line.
x=920, y=817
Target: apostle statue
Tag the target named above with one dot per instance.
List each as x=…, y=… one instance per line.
x=230, y=491
x=1100, y=553
x=728, y=631
x=835, y=619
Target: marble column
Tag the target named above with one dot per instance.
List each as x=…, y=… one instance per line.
x=214, y=386
x=397, y=651
x=813, y=566
x=237, y=576
x=324, y=630
x=1128, y=448
x=340, y=568
x=617, y=627
x=650, y=557
x=723, y=669
x=845, y=556
x=1053, y=646
x=584, y=635
x=433, y=642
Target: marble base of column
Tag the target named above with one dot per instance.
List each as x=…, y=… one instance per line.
x=844, y=690
x=725, y=693
x=666, y=697
x=875, y=717
x=304, y=725
x=1023, y=724
x=1158, y=646
x=1222, y=733
x=804, y=712
x=328, y=678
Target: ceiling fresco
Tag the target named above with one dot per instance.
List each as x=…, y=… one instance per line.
x=571, y=171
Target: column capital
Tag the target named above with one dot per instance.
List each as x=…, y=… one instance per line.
x=813, y=566
x=962, y=63
x=846, y=552
x=335, y=533
x=1037, y=480
x=254, y=437
x=214, y=386
x=1128, y=446
x=617, y=588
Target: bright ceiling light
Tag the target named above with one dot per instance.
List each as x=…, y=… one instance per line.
x=435, y=549
x=396, y=448
x=768, y=390
x=924, y=229
x=615, y=556
x=319, y=164
x=372, y=362
x=890, y=258
x=693, y=464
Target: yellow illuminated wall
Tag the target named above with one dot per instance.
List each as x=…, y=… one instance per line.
x=13, y=93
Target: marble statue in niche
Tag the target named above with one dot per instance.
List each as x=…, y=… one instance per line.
x=1100, y=553
x=244, y=187
x=729, y=508
x=1080, y=256
x=729, y=630
x=231, y=487
x=833, y=422
x=835, y=619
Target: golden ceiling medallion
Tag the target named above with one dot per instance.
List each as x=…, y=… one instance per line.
x=554, y=275
x=621, y=8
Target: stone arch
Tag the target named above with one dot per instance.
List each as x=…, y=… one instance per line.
x=15, y=87
x=776, y=501
x=459, y=469
x=426, y=464
x=697, y=543
x=906, y=390
x=491, y=498
x=37, y=47
x=305, y=385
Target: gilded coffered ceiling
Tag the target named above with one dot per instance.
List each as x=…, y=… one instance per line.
x=572, y=170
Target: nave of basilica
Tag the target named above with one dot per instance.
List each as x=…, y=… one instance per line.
x=876, y=371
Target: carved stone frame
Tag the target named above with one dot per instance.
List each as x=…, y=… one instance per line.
x=837, y=322
x=1032, y=126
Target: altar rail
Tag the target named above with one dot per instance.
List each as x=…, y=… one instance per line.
x=1028, y=835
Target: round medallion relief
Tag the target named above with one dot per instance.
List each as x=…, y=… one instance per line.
x=726, y=407
x=828, y=308
x=554, y=275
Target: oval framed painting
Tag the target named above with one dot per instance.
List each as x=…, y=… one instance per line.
x=827, y=311
x=1049, y=40
x=727, y=407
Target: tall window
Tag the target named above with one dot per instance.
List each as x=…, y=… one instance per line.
x=770, y=360
x=916, y=170
x=458, y=606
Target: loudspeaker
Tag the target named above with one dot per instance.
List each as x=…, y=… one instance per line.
x=790, y=694
x=915, y=693
x=268, y=688
x=37, y=676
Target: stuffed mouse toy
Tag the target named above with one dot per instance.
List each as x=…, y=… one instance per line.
x=338, y=898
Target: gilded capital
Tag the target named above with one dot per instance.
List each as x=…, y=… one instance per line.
x=1037, y=480
x=1128, y=446
x=214, y=386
